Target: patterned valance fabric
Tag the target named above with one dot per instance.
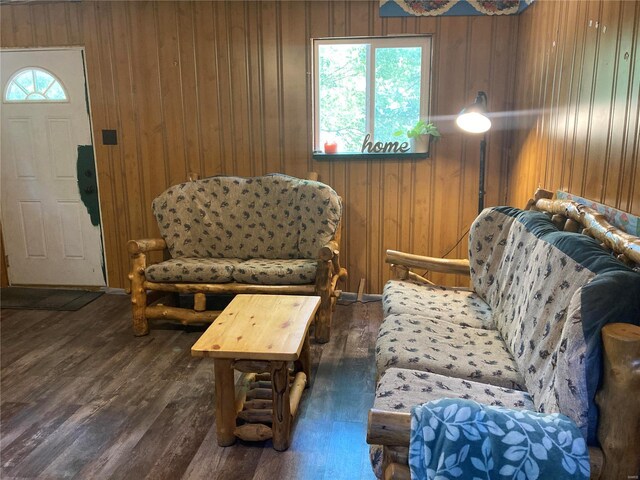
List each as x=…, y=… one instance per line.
x=431, y=8
x=272, y=217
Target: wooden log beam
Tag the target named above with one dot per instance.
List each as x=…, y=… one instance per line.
x=145, y=245
x=281, y=407
x=388, y=428
x=596, y=225
x=253, y=432
x=442, y=265
x=199, y=302
x=263, y=415
x=264, y=393
x=242, y=387
x=183, y=315
x=253, y=366
x=260, y=384
x=619, y=422
x=225, y=402
x=263, y=376
x=258, y=403
x=295, y=394
x=230, y=288
x=138, y=295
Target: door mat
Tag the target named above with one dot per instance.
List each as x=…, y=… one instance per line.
x=45, y=298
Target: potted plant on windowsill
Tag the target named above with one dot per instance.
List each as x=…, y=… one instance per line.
x=420, y=135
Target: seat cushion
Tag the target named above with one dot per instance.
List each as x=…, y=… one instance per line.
x=399, y=389
x=193, y=270
x=436, y=346
x=276, y=272
x=456, y=305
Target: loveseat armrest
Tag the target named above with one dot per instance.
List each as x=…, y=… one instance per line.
x=443, y=265
x=619, y=421
x=146, y=245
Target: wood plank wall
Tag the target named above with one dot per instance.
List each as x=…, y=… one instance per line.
x=223, y=88
x=579, y=69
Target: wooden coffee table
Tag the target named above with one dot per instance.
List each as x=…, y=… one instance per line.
x=259, y=335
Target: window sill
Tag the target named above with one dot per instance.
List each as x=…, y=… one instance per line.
x=369, y=156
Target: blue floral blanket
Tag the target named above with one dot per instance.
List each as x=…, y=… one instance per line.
x=455, y=438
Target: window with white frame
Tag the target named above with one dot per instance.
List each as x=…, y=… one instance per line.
x=34, y=85
x=371, y=86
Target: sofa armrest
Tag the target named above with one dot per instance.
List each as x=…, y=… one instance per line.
x=442, y=265
x=145, y=245
x=619, y=433
x=388, y=428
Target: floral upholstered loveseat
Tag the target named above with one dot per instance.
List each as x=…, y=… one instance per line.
x=225, y=235
x=527, y=335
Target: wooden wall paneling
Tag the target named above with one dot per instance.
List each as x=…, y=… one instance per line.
x=41, y=33
x=318, y=24
x=225, y=88
x=629, y=199
x=585, y=100
x=596, y=160
x=271, y=50
x=590, y=143
x=239, y=138
x=358, y=178
x=452, y=91
x=573, y=98
x=189, y=88
x=171, y=95
x=99, y=64
x=254, y=88
x=222, y=87
x=23, y=28
x=501, y=79
x=208, y=94
x=422, y=173
x=6, y=27
x=294, y=87
x=624, y=31
x=127, y=171
x=477, y=77
x=565, y=45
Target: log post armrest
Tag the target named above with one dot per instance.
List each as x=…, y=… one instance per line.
x=145, y=245
x=617, y=399
x=388, y=428
x=328, y=251
x=433, y=264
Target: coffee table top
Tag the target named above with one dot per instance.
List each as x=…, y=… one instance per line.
x=259, y=327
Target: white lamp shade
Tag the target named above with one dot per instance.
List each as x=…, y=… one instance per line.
x=473, y=122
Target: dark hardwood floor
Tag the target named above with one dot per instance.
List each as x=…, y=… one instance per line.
x=81, y=397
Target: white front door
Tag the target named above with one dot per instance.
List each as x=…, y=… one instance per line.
x=51, y=229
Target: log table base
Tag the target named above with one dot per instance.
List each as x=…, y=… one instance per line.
x=259, y=335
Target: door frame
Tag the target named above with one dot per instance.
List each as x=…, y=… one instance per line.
x=87, y=94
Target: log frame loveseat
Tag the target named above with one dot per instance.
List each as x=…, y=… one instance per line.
x=273, y=234
x=618, y=434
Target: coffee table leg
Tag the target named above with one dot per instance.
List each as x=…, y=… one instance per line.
x=303, y=363
x=225, y=402
x=281, y=409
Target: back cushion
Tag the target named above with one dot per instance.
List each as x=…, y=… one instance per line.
x=535, y=286
x=236, y=217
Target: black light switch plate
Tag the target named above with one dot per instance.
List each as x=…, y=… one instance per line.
x=109, y=137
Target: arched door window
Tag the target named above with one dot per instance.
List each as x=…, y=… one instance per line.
x=34, y=85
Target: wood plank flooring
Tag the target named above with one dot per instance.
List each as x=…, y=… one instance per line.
x=82, y=398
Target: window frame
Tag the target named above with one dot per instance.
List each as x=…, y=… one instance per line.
x=394, y=41
x=26, y=100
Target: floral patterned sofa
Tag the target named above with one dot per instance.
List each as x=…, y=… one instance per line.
x=527, y=335
x=225, y=235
